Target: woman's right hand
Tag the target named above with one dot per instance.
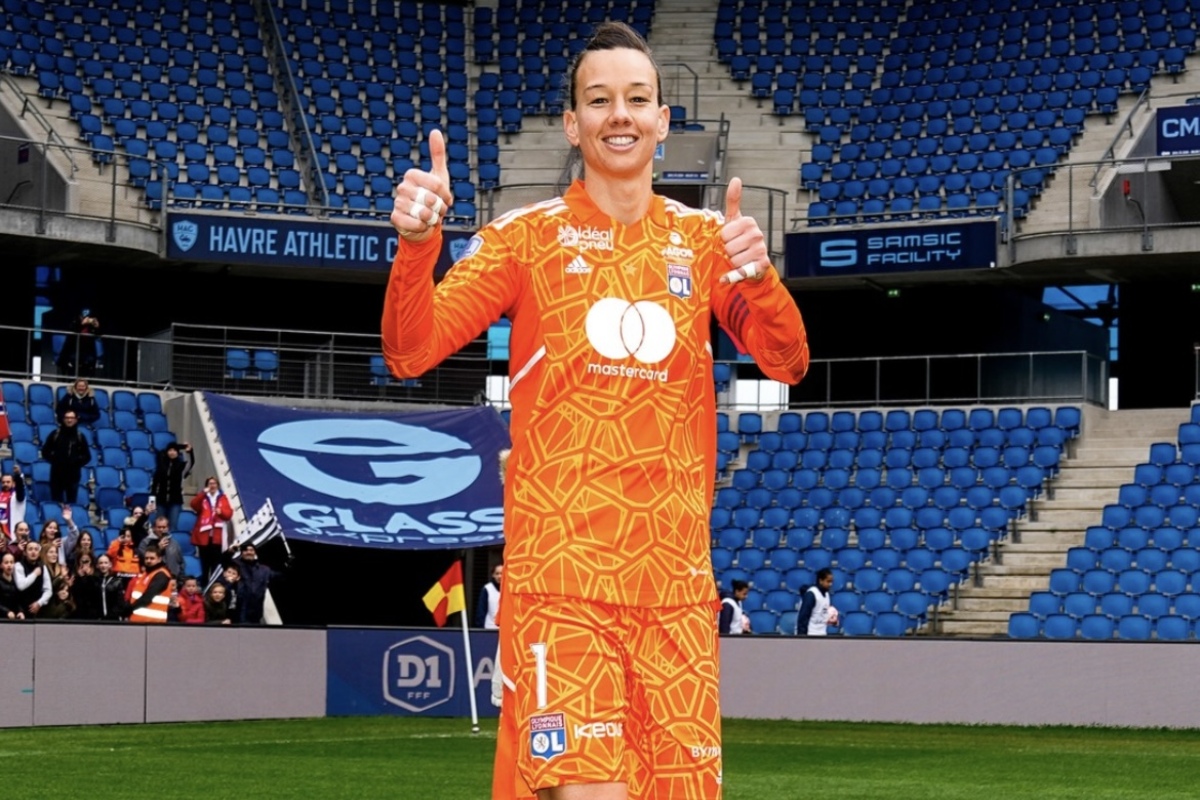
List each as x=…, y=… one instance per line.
x=423, y=198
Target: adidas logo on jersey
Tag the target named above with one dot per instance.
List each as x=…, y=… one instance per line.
x=578, y=266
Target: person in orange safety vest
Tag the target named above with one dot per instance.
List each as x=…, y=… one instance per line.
x=149, y=594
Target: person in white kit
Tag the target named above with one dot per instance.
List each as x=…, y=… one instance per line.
x=733, y=619
x=489, y=600
x=816, y=612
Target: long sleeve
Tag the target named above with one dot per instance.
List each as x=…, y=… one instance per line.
x=806, y=609
x=422, y=325
x=22, y=580
x=762, y=318
x=69, y=541
x=481, y=607
x=725, y=621
x=46, y=586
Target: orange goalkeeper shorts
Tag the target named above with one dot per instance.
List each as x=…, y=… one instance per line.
x=604, y=694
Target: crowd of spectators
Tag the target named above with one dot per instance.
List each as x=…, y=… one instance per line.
x=60, y=572
x=140, y=578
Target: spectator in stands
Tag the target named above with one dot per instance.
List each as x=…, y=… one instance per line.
x=254, y=578
x=142, y=518
x=21, y=534
x=33, y=584
x=188, y=606
x=83, y=342
x=12, y=502
x=123, y=553
x=55, y=568
x=68, y=453
x=99, y=594
x=213, y=513
x=816, y=612
x=10, y=595
x=231, y=579
x=71, y=540
x=216, y=605
x=732, y=619
x=84, y=548
x=489, y=600
x=172, y=554
x=149, y=594
x=85, y=564
x=81, y=399
x=60, y=605
x=173, y=466
x=51, y=532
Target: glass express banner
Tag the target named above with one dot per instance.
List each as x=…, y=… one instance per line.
x=1178, y=129
x=426, y=480
x=281, y=241
x=408, y=672
x=837, y=252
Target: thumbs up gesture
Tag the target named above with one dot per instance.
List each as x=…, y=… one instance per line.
x=745, y=244
x=423, y=198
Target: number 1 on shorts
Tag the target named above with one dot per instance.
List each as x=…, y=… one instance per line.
x=539, y=656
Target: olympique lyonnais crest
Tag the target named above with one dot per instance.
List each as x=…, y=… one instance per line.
x=185, y=234
x=547, y=735
x=679, y=280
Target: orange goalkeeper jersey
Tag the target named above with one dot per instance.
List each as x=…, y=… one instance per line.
x=613, y=418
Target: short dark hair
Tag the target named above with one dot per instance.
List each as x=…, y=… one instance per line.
x=739, y=585
x=612, y=36
x=152, y=548
x=823, y=573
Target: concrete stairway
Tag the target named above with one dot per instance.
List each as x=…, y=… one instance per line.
x=1069, y=195
x=764, y=150
x=1100, y=461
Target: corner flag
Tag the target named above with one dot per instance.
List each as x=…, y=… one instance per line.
x=446, y=596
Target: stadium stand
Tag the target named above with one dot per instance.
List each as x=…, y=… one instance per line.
x=899, y=551
x=1135, y=575
x=929, y=109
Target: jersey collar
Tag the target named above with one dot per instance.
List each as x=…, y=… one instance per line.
x=581, y=205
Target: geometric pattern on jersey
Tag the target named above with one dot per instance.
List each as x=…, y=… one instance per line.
x=613, y=419
x=634, y=689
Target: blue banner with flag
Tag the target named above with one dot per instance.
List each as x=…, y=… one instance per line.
x=404, y=481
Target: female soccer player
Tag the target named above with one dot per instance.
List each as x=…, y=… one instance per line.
x=608, y=616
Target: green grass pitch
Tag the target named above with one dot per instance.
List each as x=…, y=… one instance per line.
x=439, y=759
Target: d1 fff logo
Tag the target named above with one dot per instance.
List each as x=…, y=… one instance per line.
x=393, y=451
x=418, y=674
x=185, y=234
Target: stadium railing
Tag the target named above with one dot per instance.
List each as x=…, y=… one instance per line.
x=325, y=364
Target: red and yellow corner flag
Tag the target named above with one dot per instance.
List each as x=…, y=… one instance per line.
x=447, y=596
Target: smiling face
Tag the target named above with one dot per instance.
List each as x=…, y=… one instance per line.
x=618, y=118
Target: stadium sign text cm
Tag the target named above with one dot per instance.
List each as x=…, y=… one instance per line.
x=1178, y=129
x=839, y=251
